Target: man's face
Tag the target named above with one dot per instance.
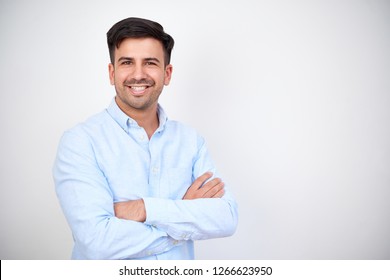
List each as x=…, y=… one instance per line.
x=139, y=74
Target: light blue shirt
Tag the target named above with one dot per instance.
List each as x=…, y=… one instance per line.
x=109, y=158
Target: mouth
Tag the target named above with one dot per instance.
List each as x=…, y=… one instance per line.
x=138, y=90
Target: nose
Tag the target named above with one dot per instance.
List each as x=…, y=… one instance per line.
x=138, y=72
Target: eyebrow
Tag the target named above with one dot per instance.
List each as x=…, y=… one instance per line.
x=152, y=59
x=125, y=58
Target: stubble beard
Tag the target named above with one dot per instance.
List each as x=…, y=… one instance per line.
x=139, y=103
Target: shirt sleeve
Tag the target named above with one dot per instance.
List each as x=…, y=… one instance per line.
x=195, y=219
x=87, y=202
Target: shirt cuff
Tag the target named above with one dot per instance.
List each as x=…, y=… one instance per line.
x=157, y=210
x=166, y=215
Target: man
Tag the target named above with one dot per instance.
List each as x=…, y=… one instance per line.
x=133, y=184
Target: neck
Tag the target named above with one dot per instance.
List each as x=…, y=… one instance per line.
x=146, y=118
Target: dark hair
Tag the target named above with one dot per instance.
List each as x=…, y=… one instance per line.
x=138, y=28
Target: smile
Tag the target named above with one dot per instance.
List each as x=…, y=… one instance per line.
x=138, y=90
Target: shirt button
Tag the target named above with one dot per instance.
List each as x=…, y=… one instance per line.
x=155, y=170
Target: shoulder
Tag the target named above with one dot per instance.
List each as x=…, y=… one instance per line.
x=91, y=124
x=87, y=130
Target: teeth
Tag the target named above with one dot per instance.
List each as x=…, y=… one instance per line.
x=138, y=88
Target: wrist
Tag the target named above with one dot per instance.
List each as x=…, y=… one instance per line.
x=141, y=213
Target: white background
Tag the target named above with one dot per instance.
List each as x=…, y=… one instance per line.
x=293, y=98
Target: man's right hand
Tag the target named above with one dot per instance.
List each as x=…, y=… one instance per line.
x=199, y=189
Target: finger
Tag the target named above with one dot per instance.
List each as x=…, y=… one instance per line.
x=201, y=179
x=214, y=190
x=193, y=191
x=219, y=194
x=208, y=186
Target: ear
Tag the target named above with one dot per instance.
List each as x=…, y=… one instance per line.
x=168, y=74
x=111, y=73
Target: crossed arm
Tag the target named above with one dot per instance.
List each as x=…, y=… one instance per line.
x=133, y=229
x=135, y=209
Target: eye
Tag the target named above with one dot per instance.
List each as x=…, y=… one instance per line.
x=150, y=63
x=126, y=62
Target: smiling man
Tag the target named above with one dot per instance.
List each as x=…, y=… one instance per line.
x=139, y=74
x=132, y=183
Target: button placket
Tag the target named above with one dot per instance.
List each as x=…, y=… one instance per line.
x=154, y=169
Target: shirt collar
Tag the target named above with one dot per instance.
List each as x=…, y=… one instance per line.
x=162, y=117
x=126, y=122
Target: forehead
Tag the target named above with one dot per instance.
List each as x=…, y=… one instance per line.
x=140, y=48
